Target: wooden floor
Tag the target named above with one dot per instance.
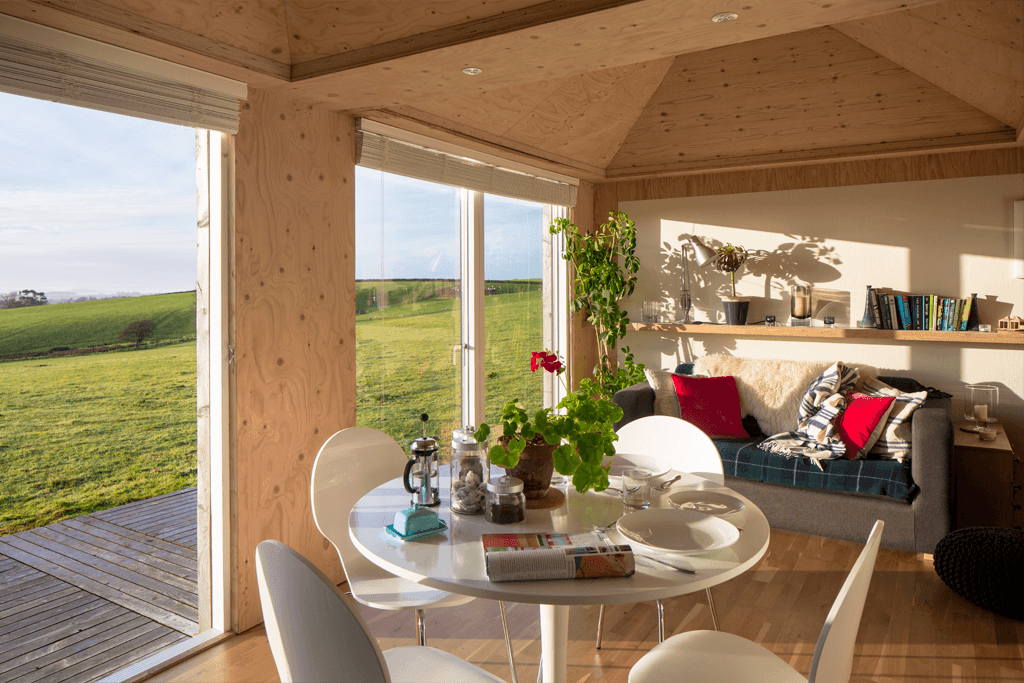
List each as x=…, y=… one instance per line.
x=87, y=596
x=914, y=629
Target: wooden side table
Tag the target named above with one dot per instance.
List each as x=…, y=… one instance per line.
x=988, y=477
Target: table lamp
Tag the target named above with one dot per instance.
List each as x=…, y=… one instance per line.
x=702, y=255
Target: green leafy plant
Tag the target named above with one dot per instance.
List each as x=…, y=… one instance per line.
x=581, y=426
x=605, y=273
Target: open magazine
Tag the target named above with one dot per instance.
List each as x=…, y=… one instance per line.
x=538, y=557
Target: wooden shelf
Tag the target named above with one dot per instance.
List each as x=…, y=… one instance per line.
x=822, y=333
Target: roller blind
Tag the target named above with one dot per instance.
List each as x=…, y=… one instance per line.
x=418, y=159
x=37, y=61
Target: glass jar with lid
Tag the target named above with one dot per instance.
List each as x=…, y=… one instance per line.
x=470, y=471
x=506, y=503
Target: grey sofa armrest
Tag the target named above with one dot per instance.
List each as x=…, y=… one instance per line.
x=636, y=401
x=931, y=463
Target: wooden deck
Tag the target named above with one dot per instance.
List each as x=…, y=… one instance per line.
x=87, y=596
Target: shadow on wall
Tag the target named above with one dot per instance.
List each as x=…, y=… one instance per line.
x=803, y=260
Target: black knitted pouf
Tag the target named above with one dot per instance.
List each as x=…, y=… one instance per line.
x=984, y=565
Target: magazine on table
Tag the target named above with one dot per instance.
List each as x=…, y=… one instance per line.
x=539, y=557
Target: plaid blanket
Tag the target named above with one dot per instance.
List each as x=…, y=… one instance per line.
x=816, y=437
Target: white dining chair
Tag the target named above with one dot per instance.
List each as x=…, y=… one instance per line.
x=707, y=656
x=315, y=636
x=351, y=463
x=687, y=449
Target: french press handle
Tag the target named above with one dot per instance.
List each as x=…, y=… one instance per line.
x=405, y=477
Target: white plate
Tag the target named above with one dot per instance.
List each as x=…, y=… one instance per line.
x=708, y=502
x=684, y=532
x=623, y=461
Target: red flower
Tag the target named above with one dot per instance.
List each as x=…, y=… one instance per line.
x=548, y=361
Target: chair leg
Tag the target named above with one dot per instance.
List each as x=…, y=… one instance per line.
x=508, y=642
x=421, y=628
x=600, y=627
x=714, y=612
x=661, y=621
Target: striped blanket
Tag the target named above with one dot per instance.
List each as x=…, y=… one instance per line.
x=816, y=437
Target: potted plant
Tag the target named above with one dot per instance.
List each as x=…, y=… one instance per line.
x=573, y=438
x=604, y=273
x=729, y=259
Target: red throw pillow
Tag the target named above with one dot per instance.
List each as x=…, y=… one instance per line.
x=710, y=403
x=862, y=422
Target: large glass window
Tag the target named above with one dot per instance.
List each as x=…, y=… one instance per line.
x=408, y=306
x=514, y=278
x=412, y=244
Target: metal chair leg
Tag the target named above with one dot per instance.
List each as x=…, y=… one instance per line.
x=714, y=612
x=661, y=621
x=600, y=627
x=421, y=628
x=508, y=642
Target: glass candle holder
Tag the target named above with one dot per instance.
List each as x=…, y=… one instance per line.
x=980, y=401
x=800, y=303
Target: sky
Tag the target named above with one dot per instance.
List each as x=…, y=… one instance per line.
x=94, y=202
x=99, y=203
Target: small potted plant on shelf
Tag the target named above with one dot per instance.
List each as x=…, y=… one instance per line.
x=729, y=259
x=573, y=439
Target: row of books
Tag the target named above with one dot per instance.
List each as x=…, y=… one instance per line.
x=919, y=312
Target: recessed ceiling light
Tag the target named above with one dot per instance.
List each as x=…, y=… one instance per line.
x=472, y=71
x=725, y=17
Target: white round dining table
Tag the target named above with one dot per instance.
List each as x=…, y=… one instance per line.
x=453, y=561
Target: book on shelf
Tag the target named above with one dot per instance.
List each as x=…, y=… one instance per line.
x=917, y=312
x=540, y=557
x=894, y=318
x=906, y=321
x=875, y=309
x=965, y=313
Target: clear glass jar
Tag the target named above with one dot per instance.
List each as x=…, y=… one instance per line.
x=506, y=503
x=470, y=471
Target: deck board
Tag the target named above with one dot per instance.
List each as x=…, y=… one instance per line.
x=82, y=598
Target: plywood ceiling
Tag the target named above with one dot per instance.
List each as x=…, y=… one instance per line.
x=611, y=88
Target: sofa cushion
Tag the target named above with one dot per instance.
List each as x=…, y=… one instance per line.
x=894, y=441
x=710, y=403
x=890, y=478
x=770, y=389
x=862, y=422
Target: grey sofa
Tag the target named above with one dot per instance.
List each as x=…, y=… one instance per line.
x=916, y=525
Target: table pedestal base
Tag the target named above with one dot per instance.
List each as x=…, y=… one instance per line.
x=554, y=642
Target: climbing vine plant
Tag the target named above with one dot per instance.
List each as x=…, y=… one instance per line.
x=605, y=273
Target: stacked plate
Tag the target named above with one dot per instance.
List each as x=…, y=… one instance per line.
x=679, y=532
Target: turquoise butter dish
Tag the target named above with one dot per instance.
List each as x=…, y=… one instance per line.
x=415, y=523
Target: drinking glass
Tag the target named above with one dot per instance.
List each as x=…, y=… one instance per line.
x=636, y=488
x=980, y=401
x=650, y=311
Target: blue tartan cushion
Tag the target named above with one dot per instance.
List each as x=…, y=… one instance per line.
x=891, y=478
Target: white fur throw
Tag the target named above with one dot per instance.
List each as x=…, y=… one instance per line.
x=770, y=390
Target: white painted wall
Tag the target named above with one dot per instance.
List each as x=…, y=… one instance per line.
x=944, y=237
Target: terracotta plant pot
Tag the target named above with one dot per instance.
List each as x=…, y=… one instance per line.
x=535, y=467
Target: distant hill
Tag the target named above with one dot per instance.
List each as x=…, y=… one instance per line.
x=94, y=323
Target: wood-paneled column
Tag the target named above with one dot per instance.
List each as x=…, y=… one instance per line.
x=294, y=325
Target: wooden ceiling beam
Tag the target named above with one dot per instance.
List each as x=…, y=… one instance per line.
x=489, y=27
x=131, y=31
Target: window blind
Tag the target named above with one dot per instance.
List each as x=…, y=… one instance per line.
x=37, y=61
x=383, y=152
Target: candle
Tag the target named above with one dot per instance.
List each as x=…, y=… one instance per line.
x=981, y=413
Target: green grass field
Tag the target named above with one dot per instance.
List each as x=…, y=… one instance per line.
x=405, y=362
x=94, y=323
x=85, y=433
x=80, y=434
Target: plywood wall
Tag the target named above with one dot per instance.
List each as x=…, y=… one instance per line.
x=294, y=337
